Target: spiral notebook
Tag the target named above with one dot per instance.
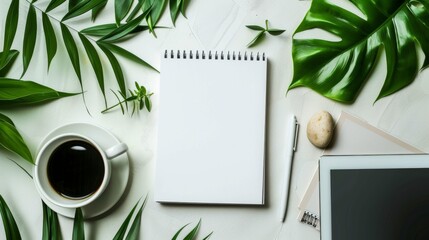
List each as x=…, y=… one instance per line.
x=211, y=132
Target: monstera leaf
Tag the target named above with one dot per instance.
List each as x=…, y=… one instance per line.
x=339, y=69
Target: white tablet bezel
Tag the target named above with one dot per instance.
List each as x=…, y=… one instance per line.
x=328, y=163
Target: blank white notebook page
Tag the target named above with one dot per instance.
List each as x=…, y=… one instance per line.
x=211, y=132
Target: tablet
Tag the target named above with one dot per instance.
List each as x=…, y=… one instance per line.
x=374, y=197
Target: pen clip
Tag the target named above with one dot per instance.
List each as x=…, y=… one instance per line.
x=295, y=139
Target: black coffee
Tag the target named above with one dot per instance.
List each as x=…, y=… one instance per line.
x=75, y=169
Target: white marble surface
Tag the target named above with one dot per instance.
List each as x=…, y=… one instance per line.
x=210, y=25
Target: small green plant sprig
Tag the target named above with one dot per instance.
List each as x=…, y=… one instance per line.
x=262, y=32
x=140, y=98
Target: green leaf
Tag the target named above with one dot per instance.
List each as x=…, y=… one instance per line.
x=148, y=103
x=83, y=7
x=208, y=236
x=11, y=140
x=95, y=62
x=72, y=51
x=54, y=4
x=96, y=10
x=104, y=29
x=54, y=224
x=122, y=7
x=339, y=69
x=275, y=32
x=136, y=9
x=17, y=93
x=135, y=225
x=255, y=27
x=10, y=29
x=120, y=234
x=128, y=55
x=9, y=60
x=116, y=68
x=99, y=30
x=174, y=9
x=257, y=39
x=183, y=7
x=133, y=233
x=10, y=227
x=191, y=235
x=50, y=38
x=46, y=229
x=422, y=15
x=156, y=11
x=4, y=118
x=74, y=3
x=123, y=30
x=30, y=34
x=78, y=227
x=51, y=225
x=147, y=5
x=178, y=232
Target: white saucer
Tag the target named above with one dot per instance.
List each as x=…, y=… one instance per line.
x=120, y=170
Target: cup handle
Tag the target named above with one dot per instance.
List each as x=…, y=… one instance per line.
x=116, y=150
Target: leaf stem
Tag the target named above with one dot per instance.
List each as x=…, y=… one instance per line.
x=109, y=108
x=59, y=21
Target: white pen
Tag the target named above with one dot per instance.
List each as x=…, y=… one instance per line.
x=291, y=140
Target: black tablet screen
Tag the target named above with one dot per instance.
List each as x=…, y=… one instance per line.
x=380, y=204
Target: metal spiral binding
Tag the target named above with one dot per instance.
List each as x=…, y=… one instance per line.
x=310, y=219
x=216, y=56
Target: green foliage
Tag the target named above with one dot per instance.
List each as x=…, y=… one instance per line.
x=133, y=232
x=54, y=4
x=262, y=32
x=78, y=226
x=123, y=52
x=9, y=59
x=192, y=234
x=107, y=34
x=30, y=34
x=117, y=69
x=9, y=224
x=177, y=6
x=10, y=30
x=140, y=99
x=82, y=7
x=339, y=69
x=50, y=38
x=11, y=140
x=122, y=7
x=123, y=30
x=95, y=61
x=17, y=93
x=96, y=10
x=51, y=225
x=72, y=51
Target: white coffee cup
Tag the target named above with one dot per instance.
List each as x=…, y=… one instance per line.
x=62, y=168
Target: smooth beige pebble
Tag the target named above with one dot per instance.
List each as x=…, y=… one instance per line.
x=320, y=129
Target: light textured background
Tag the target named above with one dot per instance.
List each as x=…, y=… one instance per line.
x=210, y=25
